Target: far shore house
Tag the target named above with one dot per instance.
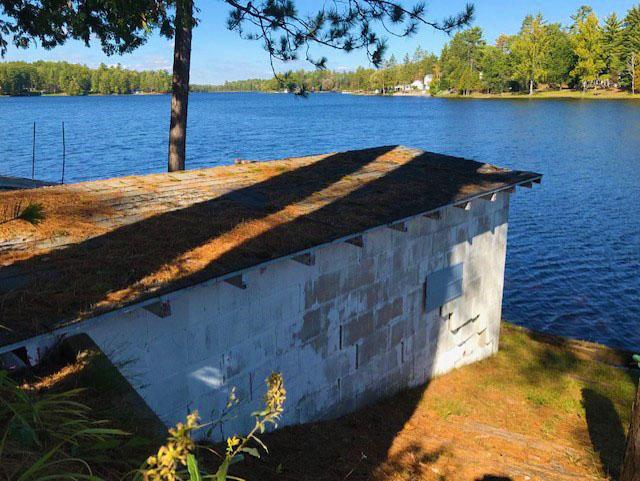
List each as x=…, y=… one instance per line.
x=427, y=81
x=418, y=84
x=355, y=274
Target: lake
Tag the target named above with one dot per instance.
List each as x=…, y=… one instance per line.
x=573, y=263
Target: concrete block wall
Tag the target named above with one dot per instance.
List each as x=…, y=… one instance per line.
x=345, y=331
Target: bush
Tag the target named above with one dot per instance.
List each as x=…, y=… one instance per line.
x=49, y=436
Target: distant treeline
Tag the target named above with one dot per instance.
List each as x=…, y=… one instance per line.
x=588, y=53
x=22, y=78
x=362, y=79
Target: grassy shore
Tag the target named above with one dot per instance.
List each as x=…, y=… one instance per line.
x=551, y=94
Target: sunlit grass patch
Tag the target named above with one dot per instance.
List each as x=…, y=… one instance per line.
x=446, y=407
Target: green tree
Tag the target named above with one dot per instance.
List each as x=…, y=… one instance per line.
x=631, y=43
x=613, y=40
x=588, y=45
x=580, y=16
x=19, y=78
x=560, y=58
x=461, y=61
x=495, y=66
x=530, y=50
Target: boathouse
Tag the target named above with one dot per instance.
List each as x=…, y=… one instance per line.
x=355, y=274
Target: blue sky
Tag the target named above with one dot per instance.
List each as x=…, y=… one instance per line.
x=220, y=55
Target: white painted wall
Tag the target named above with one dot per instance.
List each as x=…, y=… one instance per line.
x=311, y=322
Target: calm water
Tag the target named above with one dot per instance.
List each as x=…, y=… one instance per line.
x=573, y=265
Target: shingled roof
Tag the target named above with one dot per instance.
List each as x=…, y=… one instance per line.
x=109, y=243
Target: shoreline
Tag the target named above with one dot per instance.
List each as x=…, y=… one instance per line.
x=544, y=94
x=541, y=95
x=62, y=94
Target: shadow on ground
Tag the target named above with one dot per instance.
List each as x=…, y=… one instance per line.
x=341, y=449
x=606, y=431
x=491, y=477
x=495, y=435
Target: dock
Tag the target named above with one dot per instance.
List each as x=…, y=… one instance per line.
x=16, y=183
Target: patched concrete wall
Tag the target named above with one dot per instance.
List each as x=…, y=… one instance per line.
x=350, y=329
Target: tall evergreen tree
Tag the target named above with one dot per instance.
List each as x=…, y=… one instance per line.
x=587, y=41
x=461, y=61
x=560, y=58
x=496, y=70
x=580, y=16
x=631, y=45
x=530, y=49
x=613, y=43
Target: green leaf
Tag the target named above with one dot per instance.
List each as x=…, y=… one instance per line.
x=192, y=466
x=221, y=473
x=251, y=451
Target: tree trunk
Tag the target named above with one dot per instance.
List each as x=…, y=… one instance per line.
x=531, y=87
x=631, y=464
x=180, y=84
x=633, y=73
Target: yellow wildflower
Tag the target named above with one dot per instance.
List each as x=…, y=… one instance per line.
x=276, y=394
x=232, y=442
x=173, y=455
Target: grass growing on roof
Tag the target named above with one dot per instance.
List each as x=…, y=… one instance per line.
x=32, y=213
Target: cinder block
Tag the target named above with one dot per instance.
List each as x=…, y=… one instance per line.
x=398, y=332
x=338, y=365
x=319, y=404
x=327, y=286
x=336, y=256
x=357, y=276
x=388, y=312
x=375, y=344
x=378, y=240
x=440, y=242
x=311, y=324
x=283, y=303
x=419, y=250
x=358, y=328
